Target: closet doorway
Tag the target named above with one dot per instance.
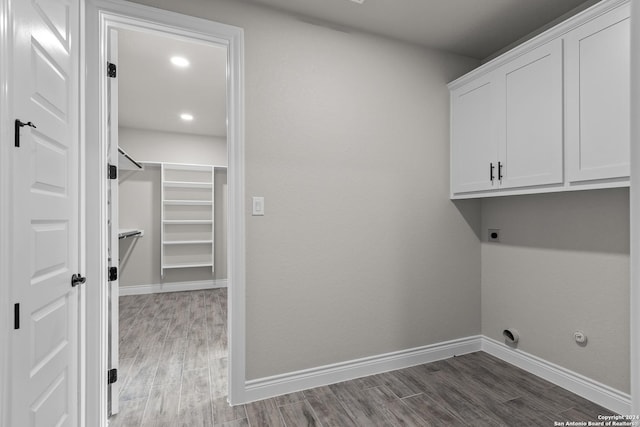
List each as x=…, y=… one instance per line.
x=168, y=225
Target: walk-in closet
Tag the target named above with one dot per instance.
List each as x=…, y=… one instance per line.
x=168, y=204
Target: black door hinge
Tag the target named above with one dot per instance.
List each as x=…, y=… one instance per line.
x=113, y=172
x=111, y=70
x=16, y=316
x=112, y=376
x=113, y=273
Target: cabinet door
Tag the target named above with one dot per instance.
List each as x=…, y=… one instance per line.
x=473, y=136
x=598, y=85
x=531, y=148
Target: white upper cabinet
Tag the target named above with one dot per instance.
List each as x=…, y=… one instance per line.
x=531, y=118
x=474, y=145
x=597, y=88
x=507, y=125
x=511, y=117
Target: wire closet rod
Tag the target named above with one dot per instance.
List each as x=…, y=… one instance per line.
x=126, y=234
x=121, y=151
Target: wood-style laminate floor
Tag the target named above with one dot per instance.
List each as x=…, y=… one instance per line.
x=173, y=350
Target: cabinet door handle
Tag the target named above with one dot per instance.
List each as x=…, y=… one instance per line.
x=491, y=168
x=499, y=171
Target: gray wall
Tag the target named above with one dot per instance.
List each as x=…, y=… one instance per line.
x=153, y=146
x=562, y=265
x=139, y=204
x=360, y=251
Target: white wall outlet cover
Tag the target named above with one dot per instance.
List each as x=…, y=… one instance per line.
x=258, y=206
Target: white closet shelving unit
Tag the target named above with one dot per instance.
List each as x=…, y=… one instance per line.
x=187, y=216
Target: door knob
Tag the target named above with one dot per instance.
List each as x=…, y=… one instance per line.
x=77, y=279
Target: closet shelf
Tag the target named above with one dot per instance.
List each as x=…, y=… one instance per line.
x=188, y=202
x=187, y=184
x=187, y=167
x=187, y=242
x=188, y=265
x=187, y=221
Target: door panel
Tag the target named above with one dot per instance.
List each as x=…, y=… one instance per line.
x=533, y=132
x=473, y=136
x=598, y=100
x=56, y=16
x=44, y=350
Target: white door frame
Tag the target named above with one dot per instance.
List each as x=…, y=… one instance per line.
x=99, y=17
x=5, y=207
x=635, y=208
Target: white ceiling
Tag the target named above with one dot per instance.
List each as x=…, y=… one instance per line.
x=153, y=92
x=475, y=28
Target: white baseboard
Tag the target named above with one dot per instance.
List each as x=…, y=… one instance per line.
x=172, y=287
x=277, y=385
x=588, y=388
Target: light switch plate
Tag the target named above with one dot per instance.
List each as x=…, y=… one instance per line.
x=258, y=206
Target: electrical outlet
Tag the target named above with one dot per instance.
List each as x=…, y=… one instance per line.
x=493, y=235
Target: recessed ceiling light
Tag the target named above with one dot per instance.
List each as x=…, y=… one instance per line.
x=179, y=61
x=186, y=117
x=358, y=1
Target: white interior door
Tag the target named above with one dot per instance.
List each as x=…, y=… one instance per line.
x=45, y=211
x=112, y=155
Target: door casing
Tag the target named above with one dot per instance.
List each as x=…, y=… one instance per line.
x=5, y=210
x=100, y=16
x=634, y=193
